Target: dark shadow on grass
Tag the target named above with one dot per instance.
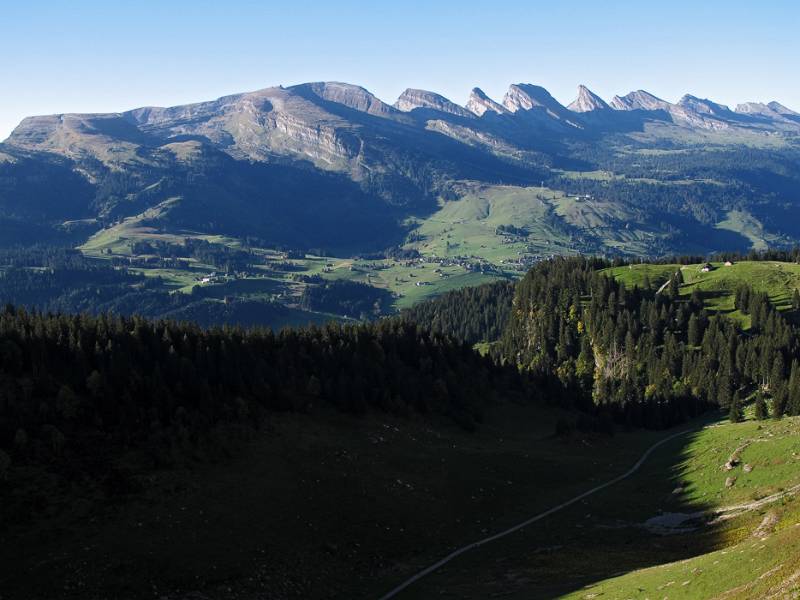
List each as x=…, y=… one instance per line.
x=328, y=506
x=642, y=521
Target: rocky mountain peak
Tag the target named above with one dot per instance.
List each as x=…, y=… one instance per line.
x=782, y=110
x=703, y=106
x=412, y=99
x=525, y=96
x=639, y=100
x=352, y=96
x=479, y=103
x=756, y=108
x=772, y=111
x=587, y=101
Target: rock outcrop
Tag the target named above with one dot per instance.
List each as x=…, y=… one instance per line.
x=781, y=109
x=479, y=104
x=413, y=99
x=352, y=96
x=772, y=111
x=704, y=106
x=690, y=111
x=528, y=98
x=640, y=100
x=525, y=96
x=587, y=101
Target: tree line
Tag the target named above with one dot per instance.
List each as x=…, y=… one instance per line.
x=644, y=358
x=472, y=314
x=76, y=383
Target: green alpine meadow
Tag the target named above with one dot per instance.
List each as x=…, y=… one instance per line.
x=399, y=301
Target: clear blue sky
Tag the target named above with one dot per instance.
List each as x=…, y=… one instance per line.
x=91, y=56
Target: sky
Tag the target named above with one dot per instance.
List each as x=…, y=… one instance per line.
x=90, y=56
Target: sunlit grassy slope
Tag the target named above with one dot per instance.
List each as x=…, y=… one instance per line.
x=754, y=507
x=683, y=526
x=718, y=286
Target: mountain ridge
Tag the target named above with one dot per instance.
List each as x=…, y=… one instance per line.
x=690, y=110
x=238, y=164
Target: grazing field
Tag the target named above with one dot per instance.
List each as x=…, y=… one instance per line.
x=486, y=232
x=469, y=226
x=717, y=287
x=750, y=227
x=317, y=506
x=752, y=504
x=643, y=275
x=459, y=246
x=778, y=279
x=682, y=527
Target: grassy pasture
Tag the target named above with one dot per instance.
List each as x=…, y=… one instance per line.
x=718, y=286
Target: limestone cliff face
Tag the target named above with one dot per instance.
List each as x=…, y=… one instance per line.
x=756, y=108
x=257, y=126
x=772, y=113
x=345, y=128
x=587, y=101
x=536, y=102
x=479, y=104
x=352, y=96
x=413, y=99
x=702, y=113
x=690, y=111
x=704, y=106
x=476, y=137
x=781, y=109
x=525, y=96
x=639, y=100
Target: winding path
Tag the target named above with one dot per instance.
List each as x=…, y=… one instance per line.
x=455, y=553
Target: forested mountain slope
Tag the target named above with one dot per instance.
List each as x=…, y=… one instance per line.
x=137, y=422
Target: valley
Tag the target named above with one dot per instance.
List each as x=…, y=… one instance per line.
x=291, y=309
x=324, y=182
x=671, y=528
x=339, y=460
x=386, y=244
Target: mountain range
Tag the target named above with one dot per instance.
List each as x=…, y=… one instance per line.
x=330, y=165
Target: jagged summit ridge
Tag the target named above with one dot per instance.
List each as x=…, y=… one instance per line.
x=526, y=96
x=703, y=106
x=479, y=103
x=320, y=121
x=413, y=99
x=587, y=101
x=352, y=96
x=639, y=100
x=780, y=108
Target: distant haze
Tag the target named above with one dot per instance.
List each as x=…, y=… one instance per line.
x=89, y=56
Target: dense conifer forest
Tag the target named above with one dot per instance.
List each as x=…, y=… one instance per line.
x=472, y=314
x=73, y=384
x=565, y=335
x=648, y=359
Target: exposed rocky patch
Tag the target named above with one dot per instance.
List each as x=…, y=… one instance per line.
x=479, y=104
x=412, y=99
x=587, y=101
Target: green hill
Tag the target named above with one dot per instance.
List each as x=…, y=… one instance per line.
x=339, y=461
x=755, y=519
x=717, y=287
x=674, y=529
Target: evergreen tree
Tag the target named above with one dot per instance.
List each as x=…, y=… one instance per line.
x=779, y=400
x=736, y=414
x=760, y=407
x=693, y=331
